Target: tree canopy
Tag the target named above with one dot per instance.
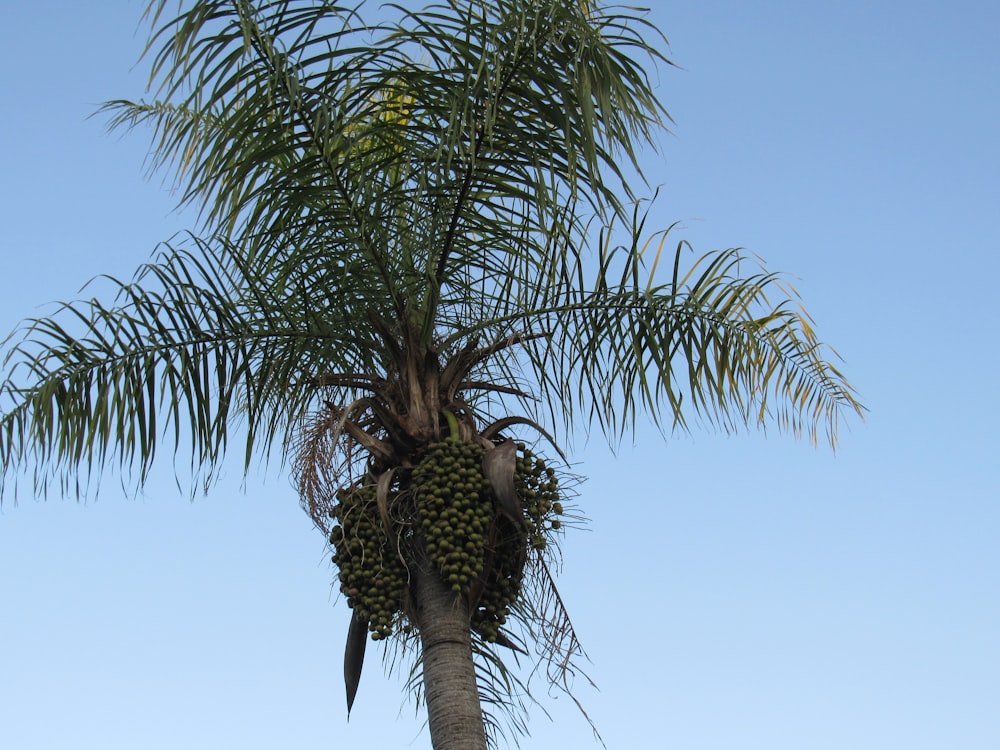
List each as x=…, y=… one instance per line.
x=425, y=224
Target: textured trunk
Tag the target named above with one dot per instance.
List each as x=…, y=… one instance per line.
x=454, y=715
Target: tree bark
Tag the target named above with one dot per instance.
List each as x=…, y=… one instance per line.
x=454, y=715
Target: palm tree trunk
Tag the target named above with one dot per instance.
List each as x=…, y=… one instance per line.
x=454, y=715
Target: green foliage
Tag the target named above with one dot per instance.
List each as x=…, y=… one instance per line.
x=426, y=216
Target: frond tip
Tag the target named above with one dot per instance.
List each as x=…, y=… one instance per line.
x=720, y=340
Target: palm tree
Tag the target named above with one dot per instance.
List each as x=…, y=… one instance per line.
x=421, y=253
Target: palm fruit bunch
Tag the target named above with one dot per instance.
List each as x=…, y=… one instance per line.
x=454, y=510
x=538, y=487
x=372, y=575
x=480, y=552
x=538, y=490
x=501, y=589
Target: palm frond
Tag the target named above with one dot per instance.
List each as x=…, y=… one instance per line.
x=723, y=341
x=289, y=119
x=191, y=348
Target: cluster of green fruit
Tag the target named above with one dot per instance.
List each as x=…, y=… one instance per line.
x=372, y=573
x=454, y=510
x=538, y=487
x=538, y=490
x=478, y=550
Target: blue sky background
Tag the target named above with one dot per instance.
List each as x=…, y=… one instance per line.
x=746, y=591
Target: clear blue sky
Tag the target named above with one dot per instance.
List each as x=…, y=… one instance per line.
x=747, y=592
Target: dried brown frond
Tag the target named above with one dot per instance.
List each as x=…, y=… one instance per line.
x=324, y=457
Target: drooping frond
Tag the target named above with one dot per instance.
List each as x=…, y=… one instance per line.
x=189, y=349
x=428, y=145
x=721, y=340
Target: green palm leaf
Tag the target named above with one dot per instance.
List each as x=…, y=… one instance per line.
x=414, y=228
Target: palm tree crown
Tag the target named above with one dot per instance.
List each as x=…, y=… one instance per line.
x=420, y=245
